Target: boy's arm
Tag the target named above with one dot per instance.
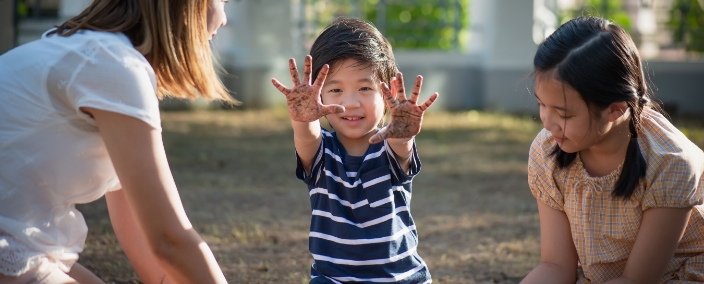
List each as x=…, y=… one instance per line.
x=403, y=148
x=306, y=139
x=406, y=119
x=305, y=108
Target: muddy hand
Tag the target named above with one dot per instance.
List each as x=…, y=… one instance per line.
x=303, y=99
x=406, y=115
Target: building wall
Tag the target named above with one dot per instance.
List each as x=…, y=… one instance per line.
x=254, y=47
x=678, y=85
x=493, y=73
x=7, y=26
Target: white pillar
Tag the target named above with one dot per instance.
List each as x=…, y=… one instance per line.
x=70, y=8
x=255, y=46
x=7, y=26
x=502, y=36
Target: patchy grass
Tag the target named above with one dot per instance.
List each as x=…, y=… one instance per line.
x=476, y=217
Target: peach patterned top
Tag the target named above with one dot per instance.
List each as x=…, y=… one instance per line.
x=604, y=229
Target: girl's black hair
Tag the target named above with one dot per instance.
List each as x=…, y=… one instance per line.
x=351, y=38
x=600, y=61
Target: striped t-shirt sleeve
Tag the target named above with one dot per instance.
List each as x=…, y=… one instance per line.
x=398, y=175
x=315, y=168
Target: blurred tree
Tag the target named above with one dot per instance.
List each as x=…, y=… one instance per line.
x=407, y=24
x=608, y=9
x=421, y=24
x=22, y=10
x=687, y=24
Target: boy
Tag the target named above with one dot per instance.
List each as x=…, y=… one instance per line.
x=360, y=189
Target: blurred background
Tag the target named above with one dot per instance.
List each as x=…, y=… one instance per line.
x=476, y=53
x=476, y=217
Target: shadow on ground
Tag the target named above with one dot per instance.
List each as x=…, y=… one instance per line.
x=476, y=217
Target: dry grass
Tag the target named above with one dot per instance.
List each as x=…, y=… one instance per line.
x=476, y=218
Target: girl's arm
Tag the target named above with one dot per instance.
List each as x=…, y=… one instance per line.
x=132, y=239
x=406, y=118
x=305, y=108
x=558, y=256
x=658, y=237
x=138, y=156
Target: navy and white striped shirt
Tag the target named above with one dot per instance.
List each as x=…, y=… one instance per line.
x=361, y=226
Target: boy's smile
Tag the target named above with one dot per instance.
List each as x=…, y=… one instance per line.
x=355, y=87
x=352, y=120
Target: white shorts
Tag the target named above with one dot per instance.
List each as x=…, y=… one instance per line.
x=45, y=272
x=21, y=265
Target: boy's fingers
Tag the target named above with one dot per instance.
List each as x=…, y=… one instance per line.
x=400, y=91
x=393, y=85
x=379, y=136
x=321, y=76
x=429, y=102
x=416, y=89
x=294, y=72
x=307, y=66
x=330, y=109
x=388, y=96
x=280, y=86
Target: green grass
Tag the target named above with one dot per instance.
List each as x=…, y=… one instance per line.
x=476, y=217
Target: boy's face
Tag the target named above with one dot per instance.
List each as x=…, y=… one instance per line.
x=354, y=87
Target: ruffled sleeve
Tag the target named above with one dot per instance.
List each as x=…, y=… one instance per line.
x=675, y=182
x=540, y=172
x=675, y=165
x=399, y=176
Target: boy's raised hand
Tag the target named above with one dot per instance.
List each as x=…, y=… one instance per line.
x=406, y=115
x=303, y=99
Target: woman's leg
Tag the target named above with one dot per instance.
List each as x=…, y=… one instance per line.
x=46, y=272
x=83, y=275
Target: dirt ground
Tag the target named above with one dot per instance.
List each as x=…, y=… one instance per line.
x=475, y=215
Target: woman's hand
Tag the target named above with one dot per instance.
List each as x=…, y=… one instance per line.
x=406, y=115
x=304, y=103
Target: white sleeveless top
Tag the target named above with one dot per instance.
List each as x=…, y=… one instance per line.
x=52, y=154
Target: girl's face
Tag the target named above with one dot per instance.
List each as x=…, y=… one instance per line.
x=567, y=117
x=216, y=16
x=359, y=92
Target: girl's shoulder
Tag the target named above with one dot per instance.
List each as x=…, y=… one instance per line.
x=665, y=146
x=675, y=165
x=542, y=146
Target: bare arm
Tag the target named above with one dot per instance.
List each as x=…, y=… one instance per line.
x=658, y=237
x=132, y=239
x=137, y=153
x=558, y=256
x=306, y=108
x=406, y=118
x=84, y=276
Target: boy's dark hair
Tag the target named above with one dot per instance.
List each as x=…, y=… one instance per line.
x=600, y=61
x=351, y=38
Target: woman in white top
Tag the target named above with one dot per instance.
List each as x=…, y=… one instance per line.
x=79, y=119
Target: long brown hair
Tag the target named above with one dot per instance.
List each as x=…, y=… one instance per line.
x=172, y=35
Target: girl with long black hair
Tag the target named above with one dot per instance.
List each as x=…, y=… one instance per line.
x=619, y=188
